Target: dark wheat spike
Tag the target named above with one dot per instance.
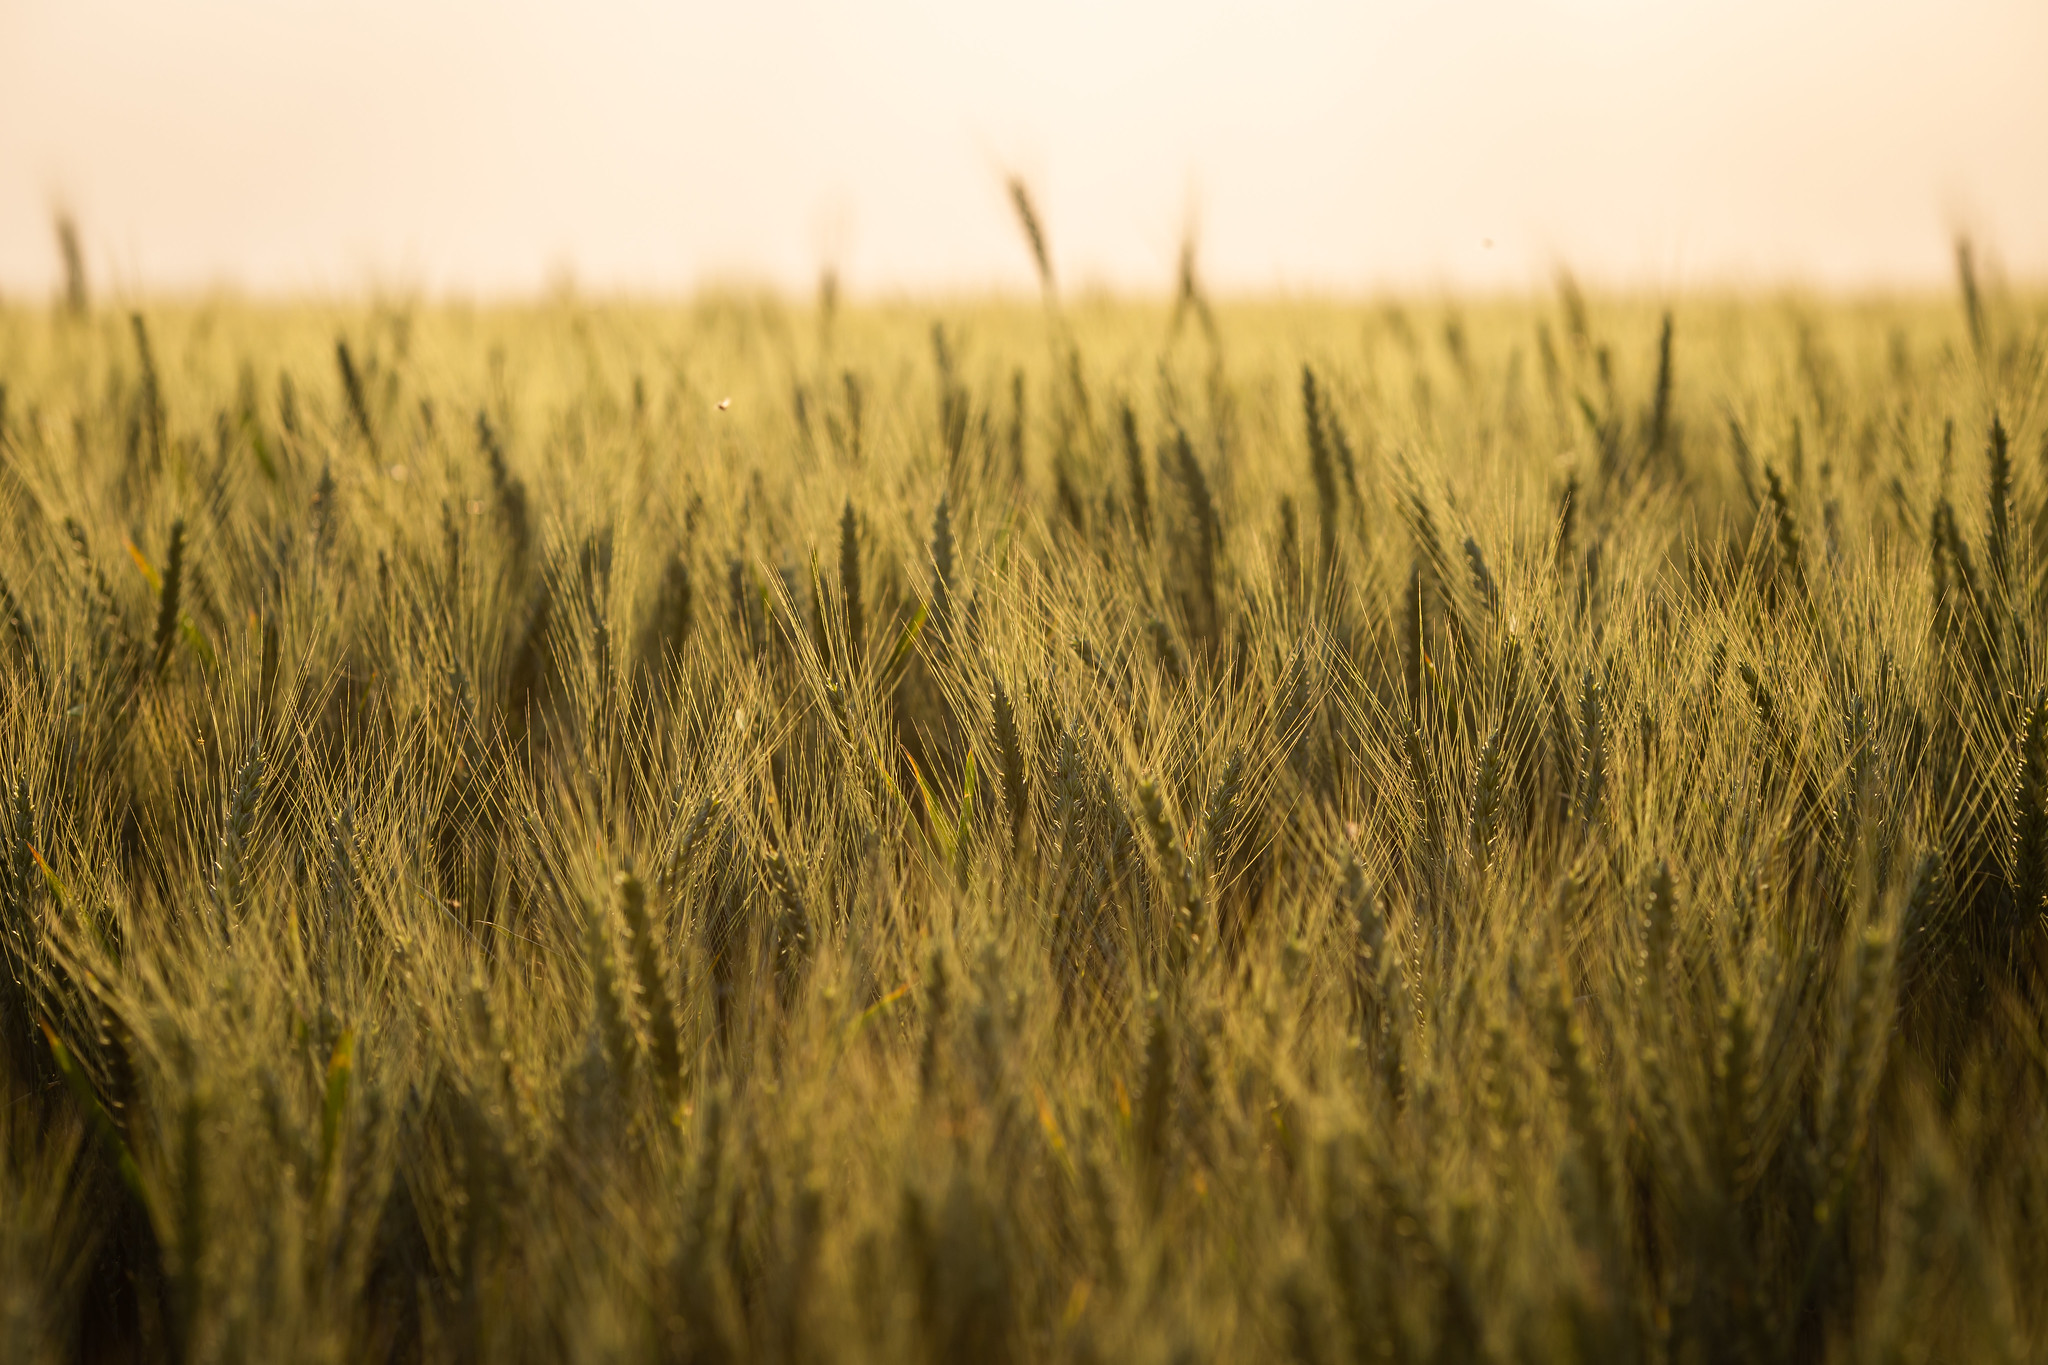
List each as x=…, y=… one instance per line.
x=1018, y=414
x=790, y=931
x=1034, y=231
x=337, y=891
x=1172, y=662
x=168, y=601
x=1482, y=577
x=1069, y=499
x=75, y=297
x=1155, y=1103
x=1208, y=534
x=689, y=840
x=287, y=405
x=607, y=1002
x=664, y=1039
x=855, y=406
x=850, y=584
x=1340, y=444
x=509, y=491
x=1220, y=814
x=231, y=878
x=1289, y=548
x=1791, y=557
x=1010, y=757
x=1422, y=787
x=1759, y=695
x=1951, y=541
x=15, y=626
x=1188, y=296
x=1660, y=408
x=1134, y=471
x=1409, y=617
x=669, y=621
x=352, y=389
x=23, y=955
x=99, y=595
x=1486, y=799
x=1322, y=467
x=1745, y=460
x=1998, y=546
x=1567, y=522
x=18, y=894
x=1292, y=713
x=942, y=566
x=1973, y=300
x=1592, y=748
x=1574, y=1070
x=1182, y=888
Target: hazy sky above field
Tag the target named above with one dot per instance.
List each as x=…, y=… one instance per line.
x=489, y=146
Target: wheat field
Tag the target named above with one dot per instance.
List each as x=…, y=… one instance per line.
x=1096, y=831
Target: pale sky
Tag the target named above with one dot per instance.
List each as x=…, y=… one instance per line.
x=493, y=147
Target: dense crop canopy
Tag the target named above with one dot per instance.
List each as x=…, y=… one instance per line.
x=729, y=832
